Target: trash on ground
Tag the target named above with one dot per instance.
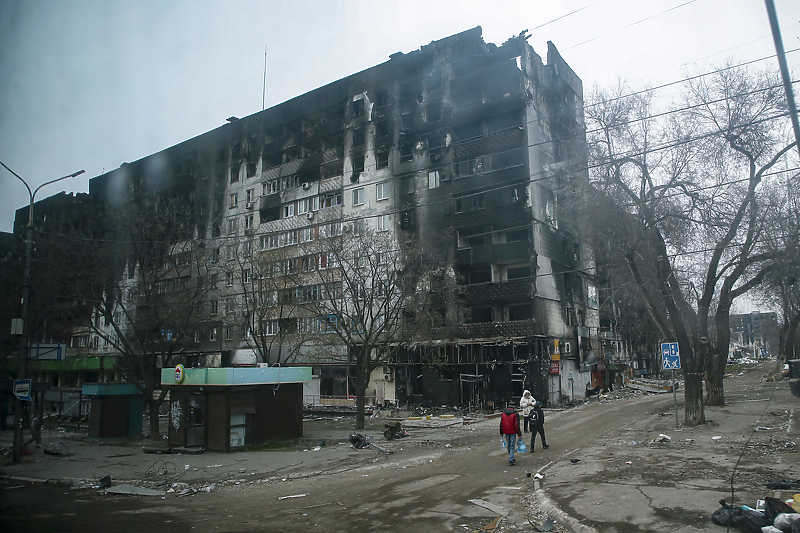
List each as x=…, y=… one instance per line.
x=293, y=496
x=546, y=526
x=574, y=461
x=492, y=507
x=359, y=441
x=105, y=482
x=491, y=526
x=395, y=431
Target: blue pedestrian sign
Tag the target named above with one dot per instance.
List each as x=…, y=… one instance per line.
x=670, y=357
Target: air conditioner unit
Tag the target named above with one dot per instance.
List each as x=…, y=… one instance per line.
x=306, y=185
x=310, y=215
x=436, y=157
x=387, y=377
x=249, y=205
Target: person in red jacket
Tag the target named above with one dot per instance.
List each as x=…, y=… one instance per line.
x=509, y=430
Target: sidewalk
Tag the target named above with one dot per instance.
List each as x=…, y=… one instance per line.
x=646, y=475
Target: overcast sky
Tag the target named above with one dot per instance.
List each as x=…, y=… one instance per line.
x=90, y=84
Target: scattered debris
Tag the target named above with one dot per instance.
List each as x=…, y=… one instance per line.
x=293, y=496
x=491, y=526
x=546, y=526
x=105, y=482
x=574, y=461
x=492, y=507
x=133, y=490
x=395, y=431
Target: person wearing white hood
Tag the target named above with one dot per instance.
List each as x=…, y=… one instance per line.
x=526, y=403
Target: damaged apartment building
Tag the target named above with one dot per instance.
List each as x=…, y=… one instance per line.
x=474, y=149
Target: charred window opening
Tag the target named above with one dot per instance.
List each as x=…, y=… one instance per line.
x=272, y=160
x=251, y=170
x=407, y=151
x=479, y=276
x=382, y=130
x=472, y=202
x=436, y=145
x=382, y=158
x=236, y=150
x=411, y=90
x=504, y=122
x=382, y=99
x=359, y=136
x=520, y=312
x=520, y=272
x=408, y=185
x=480, y=314
x=358, y=164
x=468, y=238
x=434, y=81
x=434, y=113
x=518, y=235
x=358, y=107
x=470, y=130
x=234, y=173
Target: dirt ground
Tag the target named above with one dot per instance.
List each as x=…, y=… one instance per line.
x=616, y=463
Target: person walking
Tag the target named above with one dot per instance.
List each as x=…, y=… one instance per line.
x=526, y=403
x=36, y=432
x=537, y=425
x=509, y=430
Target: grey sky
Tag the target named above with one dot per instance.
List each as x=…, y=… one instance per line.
x=90, y=84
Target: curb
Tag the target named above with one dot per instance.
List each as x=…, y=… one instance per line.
x=550, y=508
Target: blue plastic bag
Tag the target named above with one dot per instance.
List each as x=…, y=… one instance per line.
x=521, y=447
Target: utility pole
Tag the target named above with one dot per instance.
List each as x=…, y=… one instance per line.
x=787, y=81
x=22, y=355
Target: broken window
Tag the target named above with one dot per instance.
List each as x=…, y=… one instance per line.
x=234, y=173
x=381, y=99
x=480, y=314
x=520, y=312
x=407, y=152
x=382, y=159
x=358, y=164
x=359, y=135
x=251, y=170
x=288, y=210
x=358, y=107
x=382, y=129
x=434, y=111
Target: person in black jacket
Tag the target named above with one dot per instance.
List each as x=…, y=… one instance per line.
x=537, y=425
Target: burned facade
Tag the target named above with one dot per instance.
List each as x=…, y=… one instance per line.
x=476, y=150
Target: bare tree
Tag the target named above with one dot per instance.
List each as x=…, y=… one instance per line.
x=266, y=271
x=368, y=293
x=694, y=205
x=140, y=288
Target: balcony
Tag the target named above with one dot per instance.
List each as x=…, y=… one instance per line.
x=494, y=253
x=501, y=291
x=485, y=330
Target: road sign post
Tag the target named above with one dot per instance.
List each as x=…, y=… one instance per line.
x=22, y=389
x=671, y=360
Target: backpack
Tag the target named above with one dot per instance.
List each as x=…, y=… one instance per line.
x=534, y=417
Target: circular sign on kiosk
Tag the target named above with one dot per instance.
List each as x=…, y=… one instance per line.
x=180, y=373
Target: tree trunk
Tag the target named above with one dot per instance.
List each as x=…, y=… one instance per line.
x=715, y=391
x=715, y=367
x=694, y=414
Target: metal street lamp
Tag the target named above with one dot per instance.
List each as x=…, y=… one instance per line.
x=22, y=356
